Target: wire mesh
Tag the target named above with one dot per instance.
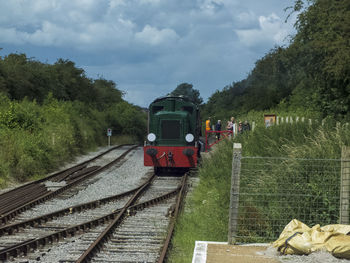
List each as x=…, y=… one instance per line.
x=273, y=191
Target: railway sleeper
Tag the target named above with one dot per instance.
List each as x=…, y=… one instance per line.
x=78, y=229
x=48, y=195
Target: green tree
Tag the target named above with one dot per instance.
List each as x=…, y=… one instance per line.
x=322, y=45
x=187, y=90
x=106, y=93
x=312, y=74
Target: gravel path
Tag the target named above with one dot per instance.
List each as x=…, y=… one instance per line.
x=316, y=257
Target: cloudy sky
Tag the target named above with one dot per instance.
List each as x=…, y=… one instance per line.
x=148, y=47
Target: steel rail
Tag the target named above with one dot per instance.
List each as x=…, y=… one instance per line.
x=33, y=190
x=30, y=245
x=173, y=221
x=9, y=229
x=68, y=170
x=127, y=209
x=95, y=247
x=9, y=215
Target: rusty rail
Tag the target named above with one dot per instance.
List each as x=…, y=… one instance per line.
x=30, y=245
x=60, y=174
x=172, y=224
x=95, y=247
x=9, y=229
x=33, y=190
x=4, y=218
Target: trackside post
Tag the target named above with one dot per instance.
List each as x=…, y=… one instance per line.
x=234, y=192
x=109, y=134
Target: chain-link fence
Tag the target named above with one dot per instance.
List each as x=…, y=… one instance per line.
x=273, y=191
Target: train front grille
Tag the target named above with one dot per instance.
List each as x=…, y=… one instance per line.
x=170, y=129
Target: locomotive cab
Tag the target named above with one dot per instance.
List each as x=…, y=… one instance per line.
x=173, y=133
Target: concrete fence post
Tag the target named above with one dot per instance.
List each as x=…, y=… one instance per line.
x=345, y=186
x=234, y=193
x=253, y=125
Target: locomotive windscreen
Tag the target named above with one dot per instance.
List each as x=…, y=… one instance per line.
x=170, y=129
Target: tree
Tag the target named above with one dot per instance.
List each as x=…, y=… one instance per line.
x=322, y=45
x=187, y=90
x=106, y=93
x=312, y=73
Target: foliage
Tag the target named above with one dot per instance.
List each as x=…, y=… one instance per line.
x=188, y=91
x=35, y=139
x=48, y=113
x=22, y=77
x=206, y=212
x=322, y=45
x=126, y=119
x=205, y=216
x=311, y=74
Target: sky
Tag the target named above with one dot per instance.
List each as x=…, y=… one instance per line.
x=148, y=47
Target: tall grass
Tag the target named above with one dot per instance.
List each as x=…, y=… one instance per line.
x=35, y=139
x=205, y=217
x=206, y=213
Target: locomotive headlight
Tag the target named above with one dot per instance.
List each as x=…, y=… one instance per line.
x=189, y=137
x=151, y=137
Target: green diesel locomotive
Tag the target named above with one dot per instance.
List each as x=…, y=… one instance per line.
x=173, y=133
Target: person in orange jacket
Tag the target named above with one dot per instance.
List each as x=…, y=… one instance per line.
x=207, y=124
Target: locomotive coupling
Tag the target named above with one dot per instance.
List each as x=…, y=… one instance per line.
x=152, y=152
x=188, y=152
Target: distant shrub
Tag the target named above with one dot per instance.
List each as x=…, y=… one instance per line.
x=37, y=138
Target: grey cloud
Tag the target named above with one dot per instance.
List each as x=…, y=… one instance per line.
x=149, y=45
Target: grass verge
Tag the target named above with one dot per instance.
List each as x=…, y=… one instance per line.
x=205, y=216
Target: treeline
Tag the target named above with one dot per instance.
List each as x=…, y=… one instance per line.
x=311, y=75
x=49, y=113
x=25, y=78
x=22, y=77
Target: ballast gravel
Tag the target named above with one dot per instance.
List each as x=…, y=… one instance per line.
x=115, y=180
x=111, y=182
x=316, y=257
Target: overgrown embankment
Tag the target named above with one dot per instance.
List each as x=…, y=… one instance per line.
x=36, y=138
x=206, y=213
x=51, y=112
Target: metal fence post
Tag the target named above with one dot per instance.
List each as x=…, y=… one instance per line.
x=234, y=193
x=345, y=185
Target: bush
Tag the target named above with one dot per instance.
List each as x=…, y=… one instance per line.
x=206, y=213
x=35, y=139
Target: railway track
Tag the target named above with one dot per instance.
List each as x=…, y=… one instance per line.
x=20, y=199
x=129, y=227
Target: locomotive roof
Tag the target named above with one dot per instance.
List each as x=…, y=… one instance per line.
x=173, y=97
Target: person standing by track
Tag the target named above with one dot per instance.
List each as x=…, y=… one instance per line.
x=207, y=124
x=218, y=128
x=234, y=126
x=207, y=130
